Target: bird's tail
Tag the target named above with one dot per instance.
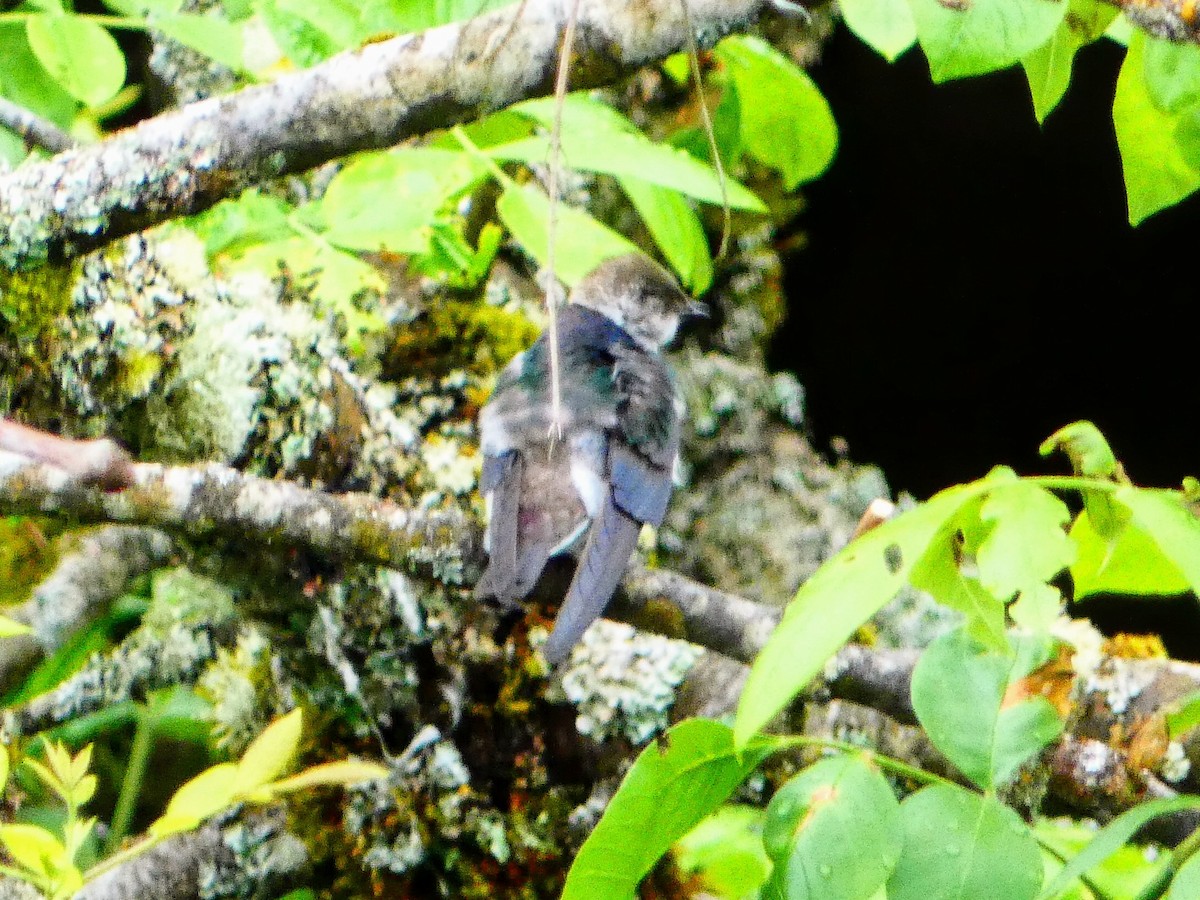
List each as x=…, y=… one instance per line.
x=602, y=564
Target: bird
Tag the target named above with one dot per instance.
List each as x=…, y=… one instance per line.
x=588, y=486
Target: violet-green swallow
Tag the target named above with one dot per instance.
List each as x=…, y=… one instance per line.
x=609, y=471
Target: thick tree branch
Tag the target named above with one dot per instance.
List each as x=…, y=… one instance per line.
x=206, y=499
x=374, y=97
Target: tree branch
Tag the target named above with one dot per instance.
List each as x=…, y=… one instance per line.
x=33, y=128
x=185, y=161
x=198, y=501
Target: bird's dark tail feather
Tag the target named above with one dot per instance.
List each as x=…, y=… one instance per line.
x=611, y=541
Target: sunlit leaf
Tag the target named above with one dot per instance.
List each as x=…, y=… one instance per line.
x=959, y=845
x=833, y=832
x=676, y=229
x=269, y=753
x=1027, y=544
x=344, y=773
x=965, y=697
x=13, y=628
x=1113, y=836
x=674, y=783
x=581, y=243
x=1157, y=171
x=216, y=38
x=1048, y=68
x=725, y=852
x=35, y=848
x=845, y=592
x=79, y=55
x=886, y=26
x=785, y=121
x=206, y=794
x=983, y=35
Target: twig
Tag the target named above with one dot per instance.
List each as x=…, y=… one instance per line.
x=33, y=128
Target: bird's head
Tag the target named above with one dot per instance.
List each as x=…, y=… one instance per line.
x=640, y=296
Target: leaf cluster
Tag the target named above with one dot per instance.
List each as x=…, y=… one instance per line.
x=997, y=550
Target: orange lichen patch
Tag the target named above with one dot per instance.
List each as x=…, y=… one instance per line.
x=1136, y=646
x=1187, y=12
x=1055, y=680
x=1148, y=743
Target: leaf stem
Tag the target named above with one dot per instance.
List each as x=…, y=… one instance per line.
x=131, y=784
x=127, y=22
x=896, y=766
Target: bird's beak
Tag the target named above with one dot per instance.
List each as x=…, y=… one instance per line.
x=697, y=310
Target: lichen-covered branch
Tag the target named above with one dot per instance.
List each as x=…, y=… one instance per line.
x=373, y=97
x=94, y=569
x=198, y=501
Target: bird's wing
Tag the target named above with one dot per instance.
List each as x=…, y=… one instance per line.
x=501, y=484
x=610, y=542
x=643, y=447
x=641, y=453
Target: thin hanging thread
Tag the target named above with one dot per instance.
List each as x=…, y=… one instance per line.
x=709, y=131
x=560, y=93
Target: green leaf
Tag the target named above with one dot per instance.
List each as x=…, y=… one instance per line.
x=725, y=852
x=1048, y=68
x=301, y=41
x=983, y=35
x=389, y=201
x=403, y=16
x=886, y=26
x=961, y=695
x=941, y=573
x=786, y=123
x=1086, y=447
x=342, y=773
x=1129, y=563
x=676, y=229
x=1175, y=530
x=1186, y=883
x=1157, y=171
x=207, y=794
x=845, y=592
x=833, y=832
x=1113, y=836
x=12, y=628
x=1027, y=545
x=1092, y=457
x=625, y=154
x=1183, y=715
x=1037, y=608
x=961, y=846
x=216, y=38
x=34, y=848
x=337, y=18
x=675, y=782
x=79, y=55
x=25, y=82
x=581, y=113
x=581, y=243
x=1124, y=874
x=1172, y=73
x=232, y=226
x=269, y=753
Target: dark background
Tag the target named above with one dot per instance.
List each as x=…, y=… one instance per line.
x=971, y=283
